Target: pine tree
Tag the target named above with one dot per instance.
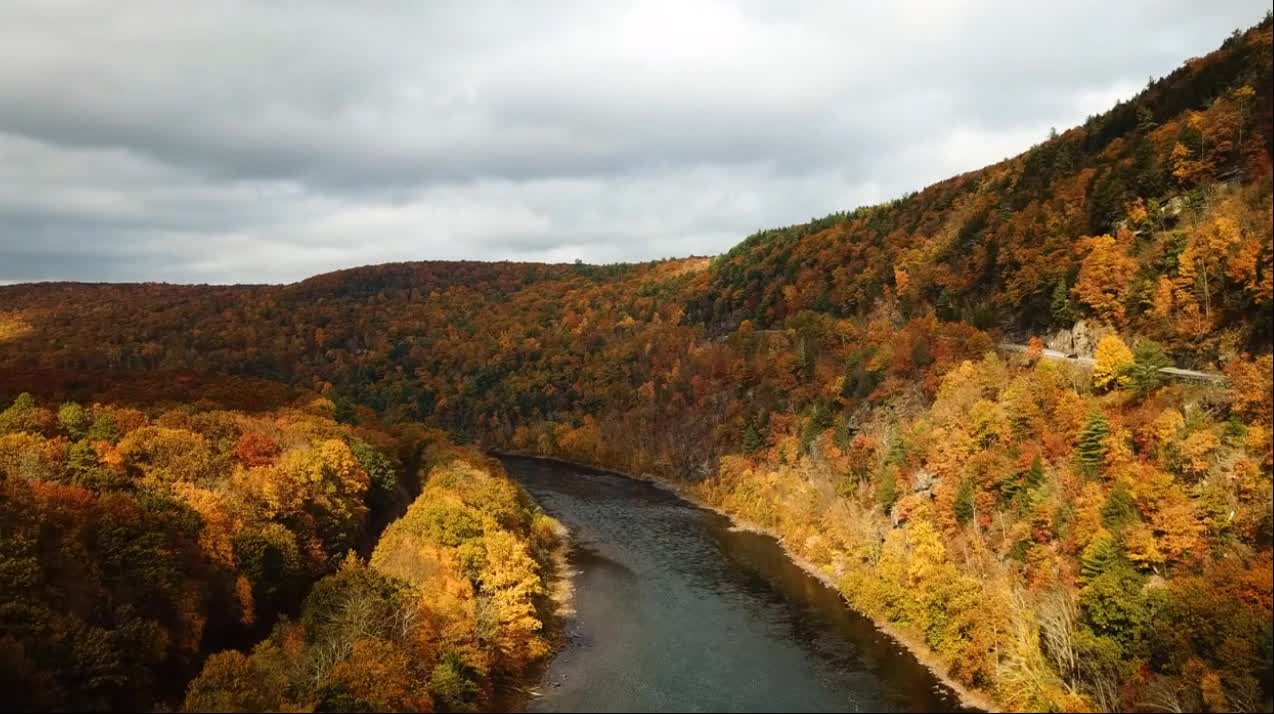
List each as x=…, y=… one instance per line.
x=1019, y=488
x=1119, y=510
x=820, y=419
x=1144, y=375
x=964, y=506
x=887, y=489
x=1100, y=555
x=945, y=308
x=1145, y=119
x=344, y=412
x=752, y=441
x=1090, y=451
x=1060, y=306
x=844, y=435
x=1035, y=475
x=897, y=454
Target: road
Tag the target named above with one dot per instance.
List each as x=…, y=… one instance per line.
x=1175, y=372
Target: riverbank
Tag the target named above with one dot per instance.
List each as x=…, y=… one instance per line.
x=923, y=654
x=521, y=691
x=919, y=651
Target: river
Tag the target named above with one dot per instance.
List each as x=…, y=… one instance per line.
x=675, y=610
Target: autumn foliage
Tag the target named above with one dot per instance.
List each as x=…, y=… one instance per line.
x=455, y=595
x=1058, y=537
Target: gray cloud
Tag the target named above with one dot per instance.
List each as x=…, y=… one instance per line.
x=248, y=142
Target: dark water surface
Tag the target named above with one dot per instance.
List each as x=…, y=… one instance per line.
x=675, y=611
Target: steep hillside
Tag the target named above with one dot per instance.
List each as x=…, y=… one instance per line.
x=1177, y=176
x=838, y=383
x=135, y=541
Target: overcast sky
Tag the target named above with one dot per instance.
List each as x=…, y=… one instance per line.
x=268, y=141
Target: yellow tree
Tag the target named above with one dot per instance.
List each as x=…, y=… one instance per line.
x=509, y=586
x=1111, y=357
x=1104, y=275
x=1201, y=267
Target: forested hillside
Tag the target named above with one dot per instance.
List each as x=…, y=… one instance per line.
x=134, y=542
x=1057, y=537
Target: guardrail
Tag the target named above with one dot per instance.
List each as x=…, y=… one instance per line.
x=1192, y=375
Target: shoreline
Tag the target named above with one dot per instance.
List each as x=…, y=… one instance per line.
x=923, y=654
x=561, y=592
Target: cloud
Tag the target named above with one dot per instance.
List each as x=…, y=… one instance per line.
x=249, y=142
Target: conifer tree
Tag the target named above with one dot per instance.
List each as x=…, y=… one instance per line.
x=1099, y=556
x=752, y=441
x=1090, y=451
x=964, y=506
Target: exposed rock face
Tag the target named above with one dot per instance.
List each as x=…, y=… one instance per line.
x=1081, y=339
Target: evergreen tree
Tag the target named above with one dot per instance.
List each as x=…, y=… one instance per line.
x=1145, y=119
x=819, y=421
x=964, y=506
x=887, y=489
x=945, y=308
x=1148, y=171
x=1119, y=510
x=860, y=381
x=1018, y=488
x=344, y=413
x=1060, y=305
x=752, y=441
x=844, y=434
x=897, y=454
x=1100, y=555
x=1035, y=474
x=1144, y=375
x=1090, y=451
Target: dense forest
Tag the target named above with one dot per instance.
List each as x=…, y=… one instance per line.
x=138, y=541
x=1057, y=536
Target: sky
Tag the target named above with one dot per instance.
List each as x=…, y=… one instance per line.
x=250, y=142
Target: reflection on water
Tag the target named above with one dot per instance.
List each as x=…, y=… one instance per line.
x=676, y=611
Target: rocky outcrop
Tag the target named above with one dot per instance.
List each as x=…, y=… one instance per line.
x=1081, y=339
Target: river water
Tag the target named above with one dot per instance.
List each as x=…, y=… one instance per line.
x=677, y=611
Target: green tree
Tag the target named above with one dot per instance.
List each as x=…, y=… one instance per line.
x=860, y=379
x=1090, y=451
x=964, y=505
x=820, y=420
x=83, y=468
x=381, y=470
x=103, y=428
x=887, y=487
x=1101, y=554
x=1145, y=374
x=344, y=410
x=452, y=683
x=1021, y=484
x=74, y=420
x=1035, y=474
x=1060, y=305
x=1116, y=606
x=20, y=416
x=752, y=441
x=1119, y=510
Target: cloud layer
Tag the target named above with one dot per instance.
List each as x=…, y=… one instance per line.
x=265, y=142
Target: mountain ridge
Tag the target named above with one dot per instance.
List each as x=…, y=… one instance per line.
x=838, y=383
